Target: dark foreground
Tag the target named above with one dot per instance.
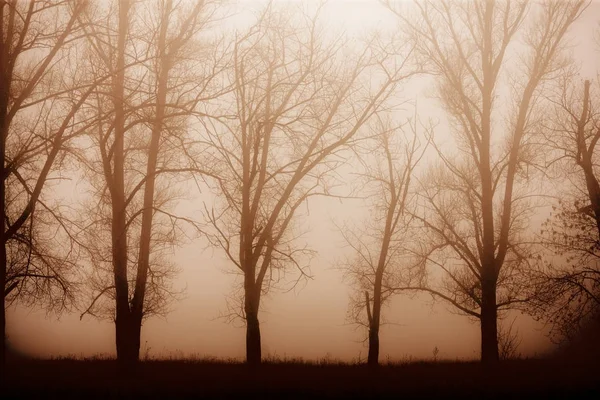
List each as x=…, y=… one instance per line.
x=175, y=379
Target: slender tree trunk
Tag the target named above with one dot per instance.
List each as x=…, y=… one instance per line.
x=489, y=323
x=123, y=314
x=137, y=303
x=397, y=189
x=119, y=222
x=375, y=315
x=247, y=257
x=373, y=358
x=489, y=338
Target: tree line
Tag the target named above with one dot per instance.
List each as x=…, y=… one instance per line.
x=144, y=100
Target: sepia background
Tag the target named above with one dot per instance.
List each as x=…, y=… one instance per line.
x=309, y=321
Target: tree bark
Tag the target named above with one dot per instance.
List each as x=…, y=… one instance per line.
x=373, y=358
x=137, y=303
x=489, y=323
x=135, y=332
x=489, y=338
x=119, y=224
x=128, y=340
x=253, y=344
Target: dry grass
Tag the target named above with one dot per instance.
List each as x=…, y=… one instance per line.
x=276, y=378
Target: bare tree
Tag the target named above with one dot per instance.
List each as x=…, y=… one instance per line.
x=475, y=204
x=141, y=146
x=569, y=293
x=42, y=88
x=299, y=101
x=381, y=260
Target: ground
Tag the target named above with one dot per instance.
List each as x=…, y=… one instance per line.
x=68, y=378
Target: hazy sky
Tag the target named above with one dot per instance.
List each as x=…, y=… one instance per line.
x=309, y=322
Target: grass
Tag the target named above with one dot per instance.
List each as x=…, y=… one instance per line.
x=298, y=378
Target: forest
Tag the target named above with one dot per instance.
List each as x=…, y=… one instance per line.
x=115, y=113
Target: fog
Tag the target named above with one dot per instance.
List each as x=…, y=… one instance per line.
x=311, y=320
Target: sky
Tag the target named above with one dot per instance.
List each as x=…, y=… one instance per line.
x=308, y=322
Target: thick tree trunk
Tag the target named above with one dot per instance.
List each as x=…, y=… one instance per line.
x=123, y=313
x=253, y=344
x=489, y=324
x=128, y=339
x=135, y=331
x=373, y=359
x=123, y=338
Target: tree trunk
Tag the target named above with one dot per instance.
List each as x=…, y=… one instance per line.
x=137, y=303
x=119, y=218
x=123, y=313
x=135, y=332
x=373, y=359
x=489, y=339
x=3, y=259
x=3, y=309
x=121, y=323
x=4, y=94
x=128, y=339
x=489, y=323
x=253, y=345
x=374, y=323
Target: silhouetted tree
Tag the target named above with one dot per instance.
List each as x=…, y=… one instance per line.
x=41, y=90
x=569, y=293
x=299, y=100
x=157, y=84
x=381, y=260
x=475, y=204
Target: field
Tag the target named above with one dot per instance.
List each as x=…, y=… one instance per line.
x=69, y=378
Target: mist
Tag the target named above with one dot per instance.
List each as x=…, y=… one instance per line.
x=349, y=181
